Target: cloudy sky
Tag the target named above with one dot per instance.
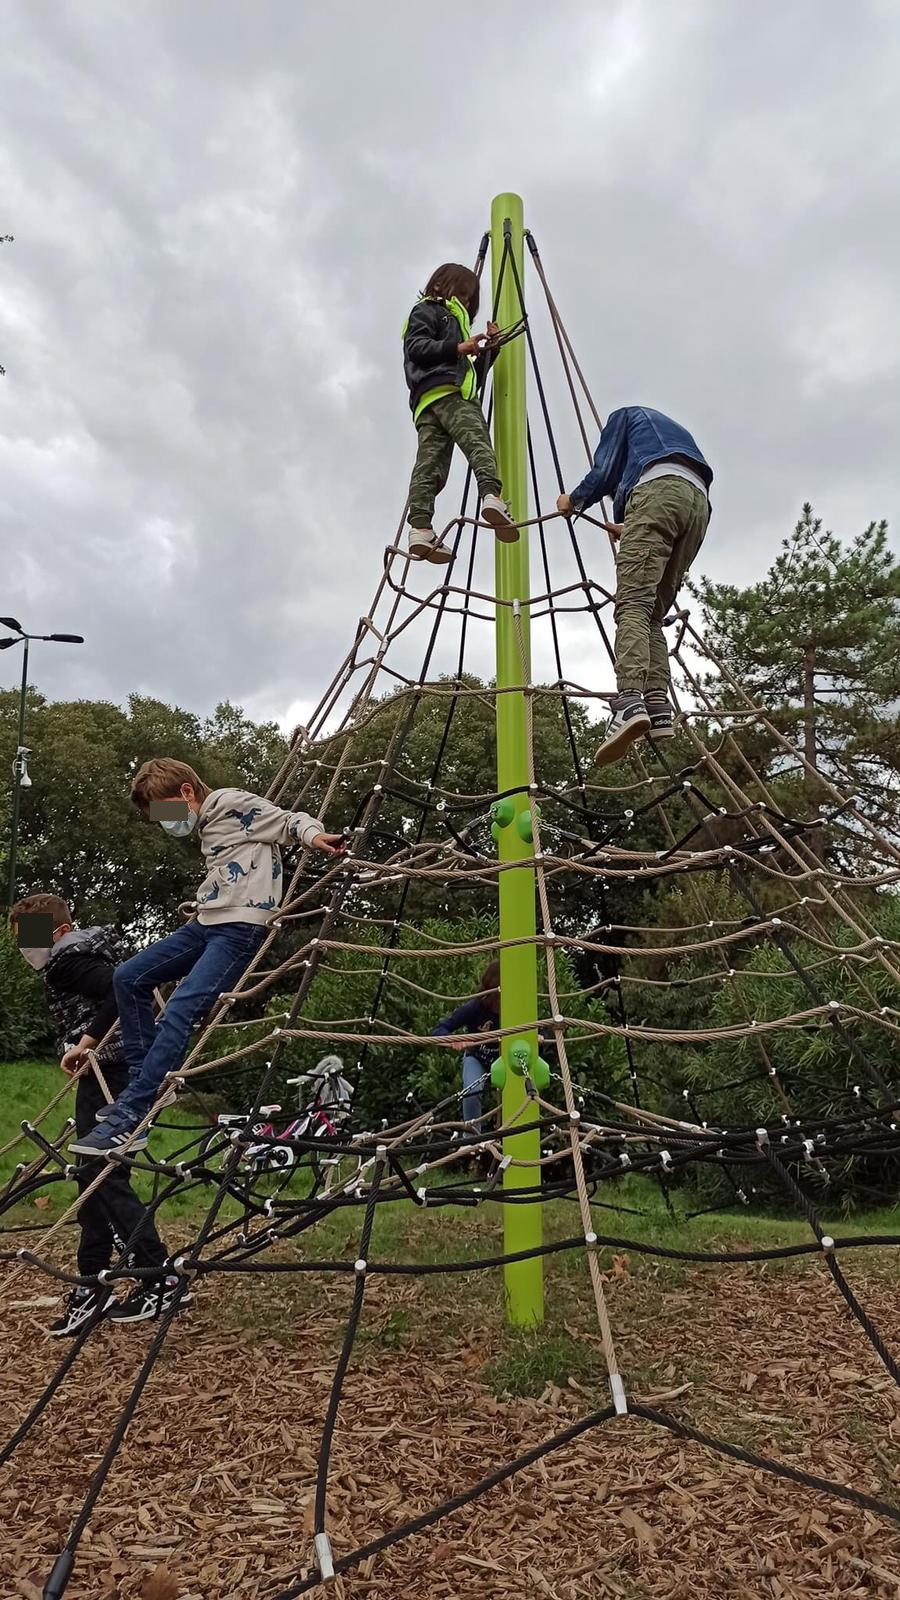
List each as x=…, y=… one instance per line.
x=223, y=209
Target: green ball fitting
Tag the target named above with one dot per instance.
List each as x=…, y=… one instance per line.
x=520, y=1057
x=496, y=832
x=498, y=1074
x=540, y=1074
x=524, y=827
x=502, y=812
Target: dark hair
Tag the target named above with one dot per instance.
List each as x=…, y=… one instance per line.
x=490, y=978
x=454, y=280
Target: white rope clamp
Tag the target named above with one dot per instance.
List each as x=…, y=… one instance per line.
x=617, y=1390
x=324, y=1556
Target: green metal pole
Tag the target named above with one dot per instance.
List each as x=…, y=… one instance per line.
x=523, y=1223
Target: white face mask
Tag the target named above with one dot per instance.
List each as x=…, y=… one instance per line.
x=37, y=958
x=180, y=827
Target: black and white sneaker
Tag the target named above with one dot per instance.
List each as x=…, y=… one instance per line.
x=78, y=1308
x=628, y=721
x=149, y=1301
x=662, y=717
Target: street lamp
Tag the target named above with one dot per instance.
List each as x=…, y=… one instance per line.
x=21, y=779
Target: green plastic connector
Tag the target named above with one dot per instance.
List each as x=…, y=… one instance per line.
x=498, y=1073
x=540, y=1073
x=525, y=1062
x=520, y=1056
x=503, y=811
x=525, y=824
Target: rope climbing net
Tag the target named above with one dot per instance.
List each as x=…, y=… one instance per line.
x=770, y=905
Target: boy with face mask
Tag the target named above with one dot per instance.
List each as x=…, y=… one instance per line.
x=76, y=966
x=239, y=836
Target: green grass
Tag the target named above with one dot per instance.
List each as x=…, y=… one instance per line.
x=26, y=1087
x=532, y=1358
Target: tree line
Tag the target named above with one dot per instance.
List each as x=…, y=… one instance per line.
x=816, y=642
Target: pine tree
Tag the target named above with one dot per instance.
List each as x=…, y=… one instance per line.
x=817, y=642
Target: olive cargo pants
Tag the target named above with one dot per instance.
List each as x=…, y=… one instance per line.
x=665, y=523
x=446, y=422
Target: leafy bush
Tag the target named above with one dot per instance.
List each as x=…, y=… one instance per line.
x=727, y=1082
x=417, y=992
x=24, y=1020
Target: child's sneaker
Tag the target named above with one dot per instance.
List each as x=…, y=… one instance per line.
x=149, y=1301
x=425, y=546
x=108, y=1138
x=662, y=717
x=628, y=721
x=78, y=1308
x=496, y=512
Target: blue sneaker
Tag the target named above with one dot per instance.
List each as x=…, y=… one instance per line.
x=107, y=1138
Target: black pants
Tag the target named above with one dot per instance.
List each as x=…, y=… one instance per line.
x=113, y=1213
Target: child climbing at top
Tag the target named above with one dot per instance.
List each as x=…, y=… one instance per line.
x=660, y=480
x=444, y=363
x=239, y=836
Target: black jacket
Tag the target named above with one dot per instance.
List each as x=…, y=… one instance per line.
x=430, y=355
x=481, y=1014
x=79, y=985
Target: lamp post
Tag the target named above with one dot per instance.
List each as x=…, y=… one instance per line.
x=21, y=779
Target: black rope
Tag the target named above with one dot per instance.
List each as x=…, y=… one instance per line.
x=346, y=1352
x=568, y=1435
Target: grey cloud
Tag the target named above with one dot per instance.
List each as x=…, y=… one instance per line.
x=222, y=213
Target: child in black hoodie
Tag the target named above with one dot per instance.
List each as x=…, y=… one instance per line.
x=76, y=966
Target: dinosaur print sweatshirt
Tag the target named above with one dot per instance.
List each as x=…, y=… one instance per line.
x=239, y=836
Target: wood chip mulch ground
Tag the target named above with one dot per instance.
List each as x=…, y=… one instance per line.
x=211, y=1497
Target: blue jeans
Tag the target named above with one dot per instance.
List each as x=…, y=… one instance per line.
x=210, y=960
x=472, y=1073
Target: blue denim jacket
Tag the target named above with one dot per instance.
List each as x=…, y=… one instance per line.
x=635, y=437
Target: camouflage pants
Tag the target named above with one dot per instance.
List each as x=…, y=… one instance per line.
x=446, y=422
x=665, y=522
